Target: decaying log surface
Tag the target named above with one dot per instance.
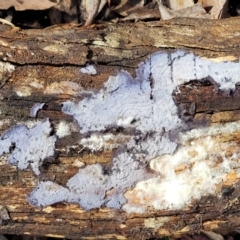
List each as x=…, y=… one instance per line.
x=44, y=68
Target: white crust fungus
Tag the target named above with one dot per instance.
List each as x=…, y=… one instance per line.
x=89, y=69
x=198, y=167
x=35, y=108
x=26, y=145
x=63, y=129
x=142, y=111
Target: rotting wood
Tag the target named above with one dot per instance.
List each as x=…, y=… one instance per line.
x=47, y=70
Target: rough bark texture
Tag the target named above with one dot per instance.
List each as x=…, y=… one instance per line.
x=46, y=66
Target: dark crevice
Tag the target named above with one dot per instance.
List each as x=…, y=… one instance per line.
x=171, y=66
x=49, y=64
x=103, y=35
x=89, y=54
x=12, y=147
x=151, y=81
x=195, y=47
x=195, y=71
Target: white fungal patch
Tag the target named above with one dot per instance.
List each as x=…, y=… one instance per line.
x=97, y=142
x=28, y=147
x=29, y=123
x=89, y=69
x=125, y=122
x=196, y=169
x=5, y=67
x=147, y=100
x=92, y=186
x=143, y=107
x=63, y=129
x=53, y=191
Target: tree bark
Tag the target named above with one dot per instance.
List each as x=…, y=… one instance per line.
x=45, y=69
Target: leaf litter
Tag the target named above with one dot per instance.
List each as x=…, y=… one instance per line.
x=40, y=14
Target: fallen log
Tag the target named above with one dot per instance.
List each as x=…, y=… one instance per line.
x=120, y=131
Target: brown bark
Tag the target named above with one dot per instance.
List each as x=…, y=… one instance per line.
x=51, y=58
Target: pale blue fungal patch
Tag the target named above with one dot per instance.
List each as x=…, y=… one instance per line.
x=143, y=107
x=35, y=108
x=28, y=147
x=145, y=111
x=89, y=69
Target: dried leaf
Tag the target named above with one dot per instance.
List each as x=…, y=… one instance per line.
x=93, y=7
x=4, y=21
x=149, y=11
x=27, y=4
x=219, y=9
x=196, y=11
x=212, y=235
x=90, y=9
x=92, y=4
x=124, y=6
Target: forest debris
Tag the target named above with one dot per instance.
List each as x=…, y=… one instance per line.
x=65, y=11
x=150, y=11
x=86, y=11
x=26, y=4
x=93, y=7
x=4, y=21
x=195, y=11
x=219, y=9
x=212, y=235
x=126, y=5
